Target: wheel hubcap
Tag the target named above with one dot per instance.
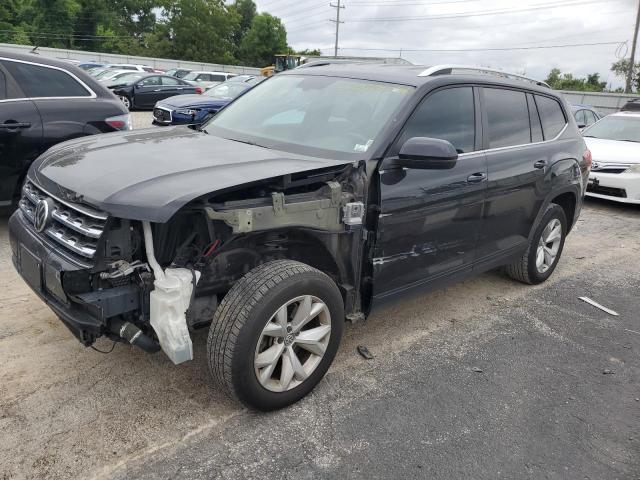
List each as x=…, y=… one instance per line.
x=292, y=343
x=549, y=245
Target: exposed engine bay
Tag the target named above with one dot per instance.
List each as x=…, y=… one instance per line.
x=161, y=281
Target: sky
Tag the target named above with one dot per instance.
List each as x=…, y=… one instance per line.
x=467, y=27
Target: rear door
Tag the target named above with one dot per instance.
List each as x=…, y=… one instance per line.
x=430, y=219
x=518, y=159
x=171, y=86
x=21, y=139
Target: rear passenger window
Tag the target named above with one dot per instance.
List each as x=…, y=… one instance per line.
x=551, y=115
x=217, y=78
x=446, y=114
x=36, y=81
x=581, y=118
x=507, y=117
x=170, y=81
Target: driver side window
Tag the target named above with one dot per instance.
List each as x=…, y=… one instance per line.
x=446, y=114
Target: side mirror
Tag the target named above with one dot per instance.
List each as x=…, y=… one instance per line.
x=138, y=85
x=427, y=153
x=581, y=125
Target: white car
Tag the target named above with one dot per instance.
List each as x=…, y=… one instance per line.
x=131, y=66
x=614, y=142
x=207, y=80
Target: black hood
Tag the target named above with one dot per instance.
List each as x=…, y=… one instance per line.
x=150, y=174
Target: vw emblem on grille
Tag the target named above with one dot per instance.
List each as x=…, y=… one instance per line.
x=42, y=215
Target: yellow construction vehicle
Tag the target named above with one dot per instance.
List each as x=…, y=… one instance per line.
x=282, y=62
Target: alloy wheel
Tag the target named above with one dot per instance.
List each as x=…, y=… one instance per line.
x=126, y=101
x=292, y=343
x=549, y=245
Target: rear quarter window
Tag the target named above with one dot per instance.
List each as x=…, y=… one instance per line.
x=551, y=116
x=38, y=81
x=3, y=86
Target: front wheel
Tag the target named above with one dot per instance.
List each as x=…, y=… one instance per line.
x=275, y=334
x=545, y=247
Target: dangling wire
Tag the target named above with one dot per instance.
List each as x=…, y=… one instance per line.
x=102, y=351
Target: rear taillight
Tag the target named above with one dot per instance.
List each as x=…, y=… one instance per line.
x=120, y=122
x=199, y=90
x=586, y=156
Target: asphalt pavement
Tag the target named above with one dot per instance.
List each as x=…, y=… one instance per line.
x=486, y=379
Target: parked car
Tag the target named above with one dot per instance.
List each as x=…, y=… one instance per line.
x=197, y=109
x=44, y=102
x=632, y=105
x=178, y=72
x=615, y=144
x=206, y=80
x=131, y=66
x=121, y=76
x=89, y=65
x=585, y=115
x=145, y=92
x=109, y=75
x=314, y=197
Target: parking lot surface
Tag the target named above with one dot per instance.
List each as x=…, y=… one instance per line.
x=486, y=379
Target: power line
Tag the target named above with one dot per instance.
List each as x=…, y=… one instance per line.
x=474, y=14
x=488, y=49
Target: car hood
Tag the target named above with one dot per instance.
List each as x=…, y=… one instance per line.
x=613, y=151
x=150, y=174
x=201, y=101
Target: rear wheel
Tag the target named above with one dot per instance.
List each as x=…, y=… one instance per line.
x=275, y=334
x=545, y=248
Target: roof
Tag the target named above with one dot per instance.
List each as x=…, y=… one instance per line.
x=626, y=113
x=404, y=74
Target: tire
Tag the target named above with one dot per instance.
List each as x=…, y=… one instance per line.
x=126, y=101
x=260, y=302
x=527, y=269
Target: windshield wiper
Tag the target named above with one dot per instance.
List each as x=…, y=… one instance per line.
x=245, y=141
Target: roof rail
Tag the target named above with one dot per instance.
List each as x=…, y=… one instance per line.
x=449, y=69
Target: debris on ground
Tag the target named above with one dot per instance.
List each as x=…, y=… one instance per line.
x=364, y=352
x=477, y=370
x=606, y=371
x=597, y=305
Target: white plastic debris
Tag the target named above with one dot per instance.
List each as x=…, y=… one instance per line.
x=597, y=305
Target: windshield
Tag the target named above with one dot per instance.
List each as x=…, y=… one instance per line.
x=226, y=90
x=615, y=128
x=315, y=115
x=128, y=77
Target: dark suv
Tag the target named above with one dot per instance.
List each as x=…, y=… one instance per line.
x=44, y=102
x=309, y=200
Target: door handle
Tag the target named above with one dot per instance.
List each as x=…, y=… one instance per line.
x=540, y=164
x=477, y=177
x=15, y=125
x=158, y=90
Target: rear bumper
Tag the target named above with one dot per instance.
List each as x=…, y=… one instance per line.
x=43, y=269
x=619, y=187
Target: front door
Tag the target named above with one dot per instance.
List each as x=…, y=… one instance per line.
x=148, y=91
x=430, y=219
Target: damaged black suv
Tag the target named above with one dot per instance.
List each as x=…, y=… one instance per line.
x=310, y=200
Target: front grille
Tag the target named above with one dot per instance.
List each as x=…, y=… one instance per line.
x=610, y=191
x=162, y=115
x=76, y=228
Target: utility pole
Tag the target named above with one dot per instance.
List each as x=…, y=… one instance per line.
x=337, y=21
x=627, y=88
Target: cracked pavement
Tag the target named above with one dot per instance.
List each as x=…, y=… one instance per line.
x=540, y=408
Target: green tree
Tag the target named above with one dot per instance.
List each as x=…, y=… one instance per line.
x=556, y=79
x=266, y=38
x=202, y=30
x=621, y=68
